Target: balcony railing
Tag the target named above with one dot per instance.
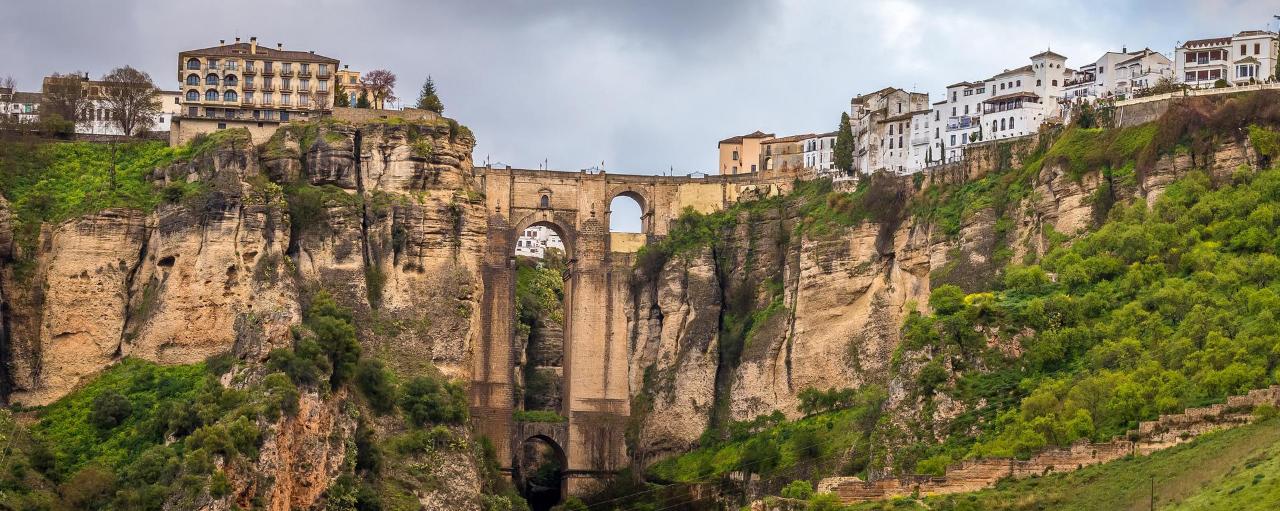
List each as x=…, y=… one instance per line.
x=268, y=87
x=268, y=71
x=286, y=72
x=322, y=74
x=305, y=73
x=247, y=101
x=250, y=71
x=249, y=86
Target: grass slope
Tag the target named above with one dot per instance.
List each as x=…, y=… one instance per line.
x=1236, y=469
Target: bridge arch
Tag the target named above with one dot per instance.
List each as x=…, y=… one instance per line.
x=638, y=194
x=556, y=221
x=540, y=466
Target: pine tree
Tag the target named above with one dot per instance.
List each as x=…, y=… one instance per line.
x=340, y=95
x=363, y=100
x=844, y=145
x=427, y=99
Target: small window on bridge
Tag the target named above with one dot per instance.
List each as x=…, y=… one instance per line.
x=545, y=202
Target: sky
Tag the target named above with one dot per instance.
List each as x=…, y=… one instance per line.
x=641, y=87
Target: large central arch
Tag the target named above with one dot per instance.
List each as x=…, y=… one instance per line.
x=596, y=390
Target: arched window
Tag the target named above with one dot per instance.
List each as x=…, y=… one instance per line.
x=1001, y=124
x=193, y=95
x=193, y=79
x=768, y=163
x=230, y=80
x=1010, y=123
x=211, y=79
x=211, y=95
x=193, y=63
x=545, y=202
x=230, y=96
x=1037, y=83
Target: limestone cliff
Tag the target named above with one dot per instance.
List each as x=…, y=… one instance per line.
x=841, y=297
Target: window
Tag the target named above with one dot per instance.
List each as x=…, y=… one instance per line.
x=953, y=140
x=1054, y=82
x=1191, y=77
x=323, y=86
x=937, y=116
x=213, y=63
x=285, y=99
x=1257, y=48
x=351, y=79
x=735, y=155
x=1011, y=123
x=267, y=98
x=284, y=83
x=1002, y=124
x=211, y=80
x=966, y=109
x=193, y=111
x=953, y=96
x=1019, y=83
x=1244, y=50
x=193, y=80
x=1002, y=86
x=284, y=115
x=953, y=111
x=899, y=142
x=248, y=81
x=248, y=65
x=266, y=67
x=964, y=138
x=306, y=68
x=230, y=81
x=899, y=107
x=286, y=67
x=230, y=96
x=211, y=95
x=222, y=125
x=233, y=64
x=248, y=97
x=937, y=132
x=324, y=70
x=1037, y=83
x=753, y=168
x=193, y=63
x=891, y=130
x=304, y=84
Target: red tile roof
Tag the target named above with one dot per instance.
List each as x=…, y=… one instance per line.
x=263, y=52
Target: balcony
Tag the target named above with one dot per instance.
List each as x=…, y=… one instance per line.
x=305, y=73
x=323, y=74
x=268, y=71
x=249, y=71
x=268, y=87
x=247, y=101
x=286, y=72
x=249, y=86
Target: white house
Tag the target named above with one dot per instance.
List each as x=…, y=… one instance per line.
x=956, y=121
x=1246, y=57
x=819, y=152
x=23, y=107
x=1020, y=100
x=535, y=241
x=1142, y=70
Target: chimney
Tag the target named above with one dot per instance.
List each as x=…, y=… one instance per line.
x=253, y=45
x=280, y=46
x=1124, y=49
x=237, y=39
x=222, y=42
x=346, y=66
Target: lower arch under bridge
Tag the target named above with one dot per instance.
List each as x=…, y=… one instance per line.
x=595, y=390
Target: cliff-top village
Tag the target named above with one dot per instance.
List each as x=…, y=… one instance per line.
x=244, y=84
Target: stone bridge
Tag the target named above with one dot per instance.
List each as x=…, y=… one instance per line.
x=595, y=388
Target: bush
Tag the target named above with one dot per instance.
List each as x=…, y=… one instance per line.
x=425, y=400
x=798, y=489
x=571, y=504
x=335, y=334
x=109, y=410
x=374, y=381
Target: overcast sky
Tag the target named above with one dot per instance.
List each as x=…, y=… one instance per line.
x=642, y=86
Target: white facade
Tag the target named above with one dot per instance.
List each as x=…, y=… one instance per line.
x=535, y=241
x=1241, y=59
x=880, y=123
x=1021, y=100
x=956, y=122
x=99, y=120
x=23, y=107
x=819, y=152
x=1142, y=70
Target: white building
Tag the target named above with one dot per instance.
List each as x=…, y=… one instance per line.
x=1020, y=100
x=1143, y=69
x=819, y=152
x=880, y=122
x=535, y=241
x=955, y=122
x=1246, y=57
x=23, y=107
x=170, y=105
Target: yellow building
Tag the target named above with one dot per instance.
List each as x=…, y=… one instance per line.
x=741, y=154
x=783, y=154
x=245, y=85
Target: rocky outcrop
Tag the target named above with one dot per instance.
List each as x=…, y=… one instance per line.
x=843, y=297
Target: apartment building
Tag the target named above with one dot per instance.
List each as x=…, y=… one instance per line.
x=1244, y=58
x=741, y=154
x=1020, y=100
x=246, y=85
x=819, y=152
x=880, y=121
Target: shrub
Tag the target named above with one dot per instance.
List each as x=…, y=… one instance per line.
x=109, y=410
x=425, y=400
x=571, y=504
x=374, y=381
x=336, y=335
x=798, y=489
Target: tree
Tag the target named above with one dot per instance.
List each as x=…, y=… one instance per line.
x=63, y=98
x=340, y=95
x=8, y=83
x=363, y=100
x=381, y=85
x=844, y=145
x=130, y=96
x=427, y=99
x=109, y=409
x=426, y=400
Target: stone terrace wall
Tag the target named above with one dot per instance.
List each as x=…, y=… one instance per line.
x=1151, y=436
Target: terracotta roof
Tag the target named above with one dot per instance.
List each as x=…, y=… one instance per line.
x=961, y=84
x=1009, y=72
x=792, y=138
x=738, y=139
x=26, y=97
x=1048, y=53
x=1213, y=40
x=263, y=52
x=1022, y=94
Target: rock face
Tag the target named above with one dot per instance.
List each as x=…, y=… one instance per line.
x=230, y=268
x=842, y=300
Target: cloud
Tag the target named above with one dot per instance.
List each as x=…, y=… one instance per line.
x=643, y=86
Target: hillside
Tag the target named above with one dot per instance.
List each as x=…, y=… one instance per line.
x=1234, y=469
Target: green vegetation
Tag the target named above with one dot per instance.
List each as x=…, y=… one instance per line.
x=769, y=445
x=1233, y=469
